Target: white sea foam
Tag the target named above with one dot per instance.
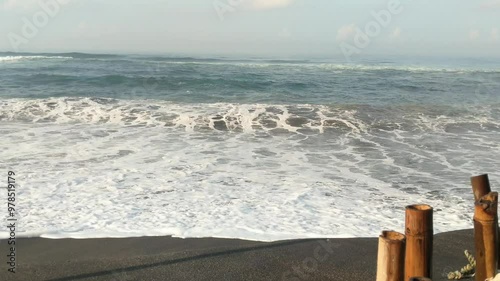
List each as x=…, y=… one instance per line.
x=341, y=66
x=23, y=58
x=86, y=169
x=249, y=118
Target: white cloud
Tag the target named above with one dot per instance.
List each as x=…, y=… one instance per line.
x=346, y=32
x=19, y=4
x=83, y=25
x=396, y=32
x=473, y=34
x=269, y=4
x=27, y=4
x=87, y=30
x=494, y=35
x=285, y=33
x=490, y=4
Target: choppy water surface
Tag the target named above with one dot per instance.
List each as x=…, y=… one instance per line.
x=113, y=145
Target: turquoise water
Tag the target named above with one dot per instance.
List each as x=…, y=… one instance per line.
x=191, y=80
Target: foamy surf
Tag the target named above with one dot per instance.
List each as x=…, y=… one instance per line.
x=27, y=58
x=251, y=118
x=120, y=146
x=119, y=179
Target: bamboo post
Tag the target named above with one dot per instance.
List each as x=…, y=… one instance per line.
x=391, y=253
x=480, y=186
x=420, y=279
x=419, y=238
x=486, y=236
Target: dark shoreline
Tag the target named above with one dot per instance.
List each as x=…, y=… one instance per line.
x=167, y=258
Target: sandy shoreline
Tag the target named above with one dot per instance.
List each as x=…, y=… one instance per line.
x=166, y=258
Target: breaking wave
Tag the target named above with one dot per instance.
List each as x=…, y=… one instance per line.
x=274, y=119
x=27, y=58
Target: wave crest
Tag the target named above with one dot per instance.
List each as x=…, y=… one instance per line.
x=249, y=118
x=22, y=58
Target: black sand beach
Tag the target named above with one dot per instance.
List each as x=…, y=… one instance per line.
x=166, y=258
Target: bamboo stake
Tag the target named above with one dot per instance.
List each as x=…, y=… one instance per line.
x=420, y=279
x=486, y=236
x=480, y=187
x=419, y=238
x=391, y=253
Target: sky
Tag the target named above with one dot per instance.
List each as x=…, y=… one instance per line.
x=280, y=28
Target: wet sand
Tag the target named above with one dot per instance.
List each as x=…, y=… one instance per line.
x=167, y=258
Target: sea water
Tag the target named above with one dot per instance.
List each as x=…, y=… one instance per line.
x=133, y=145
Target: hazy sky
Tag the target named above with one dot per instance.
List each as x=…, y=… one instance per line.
x=253, y=27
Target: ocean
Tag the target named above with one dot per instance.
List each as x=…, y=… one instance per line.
x=259, y=149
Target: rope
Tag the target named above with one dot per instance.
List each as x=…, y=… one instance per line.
x=466, y=271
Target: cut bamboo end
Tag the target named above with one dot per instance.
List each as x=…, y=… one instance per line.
x=418, y=219
x=391, y=253
x=480, y=186
x=419, y=239
x=392, y=236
